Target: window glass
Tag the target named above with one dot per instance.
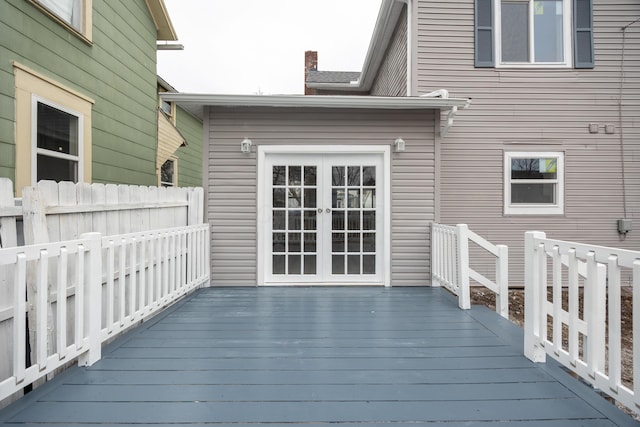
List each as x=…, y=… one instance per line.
x=515, y=31
x=532, y=31
x=547, y=25
x=167, y=176
x=534, y=183
x=166, y=108
x=69, y=11
x=56, y=144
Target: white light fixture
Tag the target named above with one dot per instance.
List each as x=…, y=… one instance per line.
x=398, y=145
x=245, y=145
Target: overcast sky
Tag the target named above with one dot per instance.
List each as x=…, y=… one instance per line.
x=257, y=46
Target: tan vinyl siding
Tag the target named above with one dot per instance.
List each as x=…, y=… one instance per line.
x=536, y=110
x=392, y=75
x=232, y=180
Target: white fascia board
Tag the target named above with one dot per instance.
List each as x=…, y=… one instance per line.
x=196, y=102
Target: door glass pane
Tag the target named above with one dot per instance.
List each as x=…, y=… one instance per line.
x=309, y=264
x=310, y=242
x=294, y=264
x=369, y=220
x=337, y=176
x=369, y=176
x=278, y=197
x=337, y=198
x=369, y=198
x=310, y=198
x=294, y=220
x=295, y=198
x=354, y=220
x=337, y=220
x=368, y=264
x=295, y=173
x=294, y=242
x=353, y=242
x=354, y=198
x=337, y=244
x=310, y=175
x=337, y=264
x=310, y=220
x=353, y=176
x=368, y=242
x=278, y=242
x=353, y=264
x=278, y=264
x=279, y=175
x=279, y=219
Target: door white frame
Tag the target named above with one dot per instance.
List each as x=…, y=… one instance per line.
x=263, y=209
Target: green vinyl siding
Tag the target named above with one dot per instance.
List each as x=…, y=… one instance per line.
x=118, y=71
x=190, y=157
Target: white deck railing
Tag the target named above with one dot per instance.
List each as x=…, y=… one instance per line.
x=592, y=340
x=450, y=265
x=91, y=289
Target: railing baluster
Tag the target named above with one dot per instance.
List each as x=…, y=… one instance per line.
x=143, y=275
x=542, y=288
x=41, y=310
x=133, y=283
x=574, y=304
x=111, y=266
x=61, y=304
x=615, y=319
x=122, y=281
x=557, y=300
x=19, y=318
x=80, y=303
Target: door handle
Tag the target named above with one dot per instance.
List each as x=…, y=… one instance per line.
x=319, y=210
x=328, y=210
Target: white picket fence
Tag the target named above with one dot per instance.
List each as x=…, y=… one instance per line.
x=450, y=265
x=154, y=250
x=587, y=344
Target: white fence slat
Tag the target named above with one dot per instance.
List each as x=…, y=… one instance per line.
x=8, y=239
x=574, y=307
x=42, y=310
x=122, y=281
x=80, y=303
x=557, y=300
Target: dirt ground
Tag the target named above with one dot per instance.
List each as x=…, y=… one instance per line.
x=480, y=295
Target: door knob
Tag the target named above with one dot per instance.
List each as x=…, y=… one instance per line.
x=328, y=210
x=319, y=210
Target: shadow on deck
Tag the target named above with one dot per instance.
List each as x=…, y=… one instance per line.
x=285, y=356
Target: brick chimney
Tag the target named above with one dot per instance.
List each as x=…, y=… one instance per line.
x=310, y=64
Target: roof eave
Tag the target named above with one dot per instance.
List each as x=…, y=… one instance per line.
x=195, y=103
x=160, y=15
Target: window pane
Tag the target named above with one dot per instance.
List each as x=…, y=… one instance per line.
x=309, y=264
x=310, y=220
x=353, y=175
x=69, y=11
x=368, y=264
x=337, y=242
x=337, y=198
x=279, y=174
x=295, y=222
x=310, y=198
x=515, y=31
x=278, y=264
x=294, y=264
x=353, y=264
x=545, y=168
x=309, y=175
x=278, y=197
x=337, y=220
x=57, y=130
x=533, y=194
x=278, y=242
x=547, y=30
x=337, y=176
x=369, y=220
x=295, y=175
x=309, y=242
x=295, y=242
x=167, y=173
x=369, y=175
x=278, y=220
x=354, y=198
x=57, y=169
x=369, y=242
x=337, y=264
x=354, y=220
x=353, y=242
x=295, y=198
x=369, y=198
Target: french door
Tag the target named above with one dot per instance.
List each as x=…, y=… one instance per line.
x=324, y=218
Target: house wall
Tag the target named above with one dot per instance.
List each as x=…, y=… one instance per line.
x=391, y=79
x=537, y=110
x=189, y=157
x=118, y=71
x=232, y=180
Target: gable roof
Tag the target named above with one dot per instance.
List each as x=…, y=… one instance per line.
x=390, y=12
x=161, y=19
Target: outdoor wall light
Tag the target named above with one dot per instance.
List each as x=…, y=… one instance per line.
x=398, y=145
x=245, y=145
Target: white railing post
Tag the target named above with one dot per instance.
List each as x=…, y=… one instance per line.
x=532, y=272
x=464, y=295
x=502, y=281
x=93, y=299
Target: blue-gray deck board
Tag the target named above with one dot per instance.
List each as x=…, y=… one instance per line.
x=326, y=356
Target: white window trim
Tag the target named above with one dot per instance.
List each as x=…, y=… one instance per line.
x=534, y=209
x=567, y=42
x=262, y=207
x=35, y=99
x=85, y=32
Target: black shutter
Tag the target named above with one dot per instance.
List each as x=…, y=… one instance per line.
x=583, y=34
x=484, y=34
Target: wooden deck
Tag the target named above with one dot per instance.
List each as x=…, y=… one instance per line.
x=317, y=356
